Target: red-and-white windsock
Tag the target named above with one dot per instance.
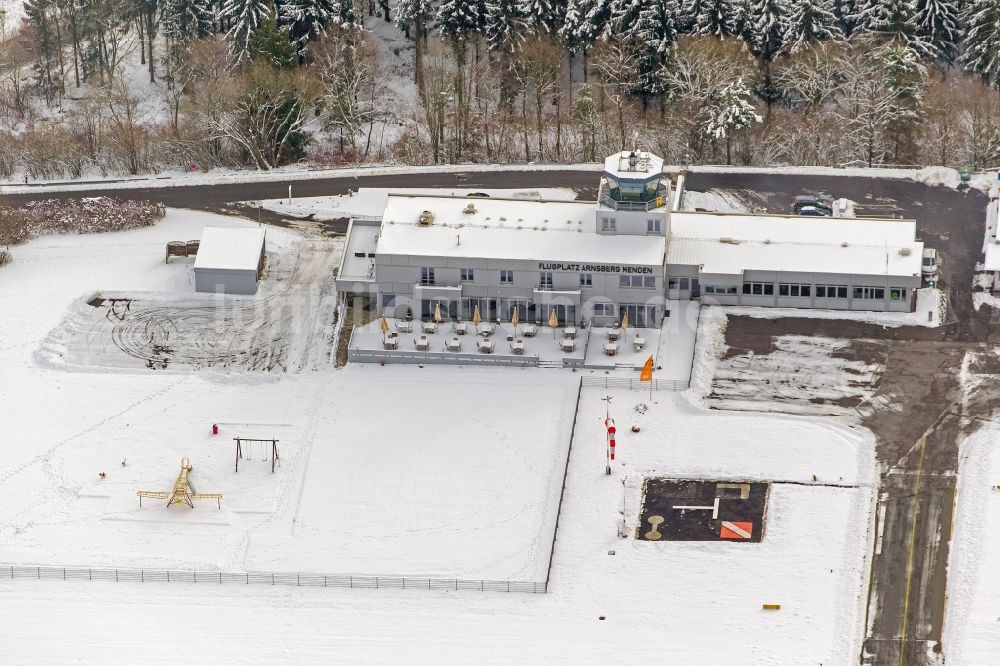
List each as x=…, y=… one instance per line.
x=610, y=425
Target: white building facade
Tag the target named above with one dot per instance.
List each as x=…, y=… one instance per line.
x=594, y=262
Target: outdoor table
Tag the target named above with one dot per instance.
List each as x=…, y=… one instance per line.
x=614, y=334
x=423, y=344
x=462, y=328
x=486, y=329
x=453, y=344
x=529, y=331
x=611, y=348
x=570, y=332
x=429, y=327
x=567, y=345
x=405, y=327
x=486, y=346
x=517, y=347
x=638, y=344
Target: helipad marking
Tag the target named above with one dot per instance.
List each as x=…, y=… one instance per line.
x=735, y=530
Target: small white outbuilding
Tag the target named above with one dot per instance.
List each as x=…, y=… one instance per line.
x=229, y=260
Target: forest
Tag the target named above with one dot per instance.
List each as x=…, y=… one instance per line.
x=142, y=86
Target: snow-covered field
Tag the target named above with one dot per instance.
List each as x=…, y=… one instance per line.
x=396, y=470
x=972, y=630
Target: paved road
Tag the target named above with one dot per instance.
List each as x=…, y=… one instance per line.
x=226, y=197
x=917, y=442
x=918, y=445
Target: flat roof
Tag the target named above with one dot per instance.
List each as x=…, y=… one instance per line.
x=230, y=248
x=511, y=229
x=733, y=243
x=362, y=239
x=646, y=164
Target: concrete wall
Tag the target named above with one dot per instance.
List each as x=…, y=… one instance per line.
x=225, y=281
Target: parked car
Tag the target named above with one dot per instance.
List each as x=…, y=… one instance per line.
x=809, y=204
x=929, y=264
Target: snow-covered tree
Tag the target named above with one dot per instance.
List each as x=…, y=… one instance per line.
x=937, y=24
x=768, y=28
x=579, y=32
x=728, y=110
x=457, y=20
x=655, y=29
x=243, y=17
x=896, y=20
x=846, y=13
x=413, y=13
x=716, y=17
x=982, y=39
x=504, y=25
x=308, y=19
x=184, y=20
x=544, y=15
x=810, y=21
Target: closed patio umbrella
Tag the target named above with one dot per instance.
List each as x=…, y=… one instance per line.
x=513, y=320
x=437, y=312
x=553, y=322
x=625, y=326
x=475, y=315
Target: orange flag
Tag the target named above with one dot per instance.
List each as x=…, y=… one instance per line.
x=647, y=371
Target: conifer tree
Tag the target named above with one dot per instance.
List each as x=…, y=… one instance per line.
x=937, y=24
x=810, y=21
x=243, y=18
x=982, y=39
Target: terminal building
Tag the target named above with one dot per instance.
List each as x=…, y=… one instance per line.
x=627, y=253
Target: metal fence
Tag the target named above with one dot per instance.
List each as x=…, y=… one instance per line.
x=356, y=355
x=300, y=580
x=634, y=383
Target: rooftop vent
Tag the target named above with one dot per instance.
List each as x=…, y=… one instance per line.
x=844, y=244
x=426, y=219
x=904, y=251
x=729, y=241
x=470, y=209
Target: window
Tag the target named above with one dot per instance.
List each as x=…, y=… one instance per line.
x=720, y=289
x=586, y=279
x=869, y=293
x=604, y=309
x=506, y=276
x=639, y=315
x=758, y=288
x=608, y=224
x=897, y=294
x=803, y=290
x=653, y=226
x=388, y=300
x=545, y=280
x=638, y=281
x=466, y=275
x=831, y=291
x=426, y=275
x=678, y=283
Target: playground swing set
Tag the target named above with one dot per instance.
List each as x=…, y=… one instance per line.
x=267, y=448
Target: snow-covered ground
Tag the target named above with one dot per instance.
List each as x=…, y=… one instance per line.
x=397, y=470
x=972, y=630
x=370, y=201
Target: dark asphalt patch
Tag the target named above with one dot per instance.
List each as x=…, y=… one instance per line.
x=700, y=510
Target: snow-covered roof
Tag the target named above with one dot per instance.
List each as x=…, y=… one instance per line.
x=731, y=244
x=230, y=248
x=360, y=241
x=509, y=229
x=646, y=164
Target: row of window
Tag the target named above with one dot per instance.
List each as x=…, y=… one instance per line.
x=503, y=308
x=544, y=279
x=835, y=291
x=653, y=225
